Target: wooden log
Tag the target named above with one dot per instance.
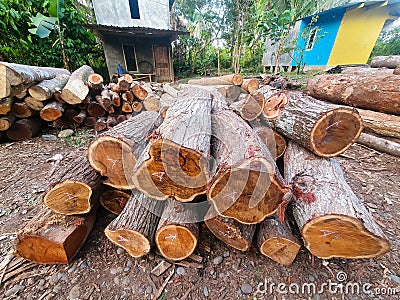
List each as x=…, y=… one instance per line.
x=111, y=122
x=166, y=101
x=104, y=103
x=380, y=124
x=230, y=92
x=114, y=201
x=128, y=78
x=175, y=164
x=139, y=91
x=101, y=124
x=137, y=106
x=128, y=97
x=105, y=98
x=231, y=232
x=116, y=99
x=34, y=103
x=167, y=88
x=57, y=97
x=94, y=109
x=51, y=238
x=6, y=121
x=152, y=103
x=6, y=105
x=243, y=163
x=177, y=233
x=80, y=118
x=121, y=118
x=76, y=88
x=90, y=121
x=123, y=85
x=332, y=221
x=21, y=95
x=134, y=228
x=22, y=110
x=25, y=129
x=276, y=241
x=250, y=107
x=397, y=70
x=72, y=187
x=67, y=119
x=95, y=81
x=366, y=71
x=235, y=79
x=274, y=105
x=115, y=153
x=14, y=78
x=45, y=89
x=52, y=111
x=251, y=85
x=326, y=129
x=379, y=144
x=114, y=87
x=390, y=62
x=126, y=107
x=379, y=92
x=275, y=142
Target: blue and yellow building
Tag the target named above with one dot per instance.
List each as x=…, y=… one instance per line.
x=338, y=36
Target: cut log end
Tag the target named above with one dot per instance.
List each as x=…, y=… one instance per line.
x=335, y=132
x=69, y=197
x=114, y=201
x=172, y=171
x=342, y=236
x=281, y=250
x=275, y=143
x=274, y=105
x=175, y=242
x=114, y=159
x=135, y=243
x=248, y=193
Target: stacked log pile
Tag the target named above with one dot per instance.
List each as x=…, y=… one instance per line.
x=209, y=156
x=33, y=97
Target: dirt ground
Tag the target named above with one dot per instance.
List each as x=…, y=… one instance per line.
x=102, y=271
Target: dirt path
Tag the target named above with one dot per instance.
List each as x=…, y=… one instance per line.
x=102, y=271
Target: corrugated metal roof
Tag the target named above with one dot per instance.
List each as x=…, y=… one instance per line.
x=134, y=31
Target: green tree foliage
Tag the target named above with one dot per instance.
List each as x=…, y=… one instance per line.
x=388, y=43
x=19, y=45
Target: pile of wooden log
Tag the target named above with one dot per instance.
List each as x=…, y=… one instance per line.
x=208, y=157
x=31, y=97
x=375, y=94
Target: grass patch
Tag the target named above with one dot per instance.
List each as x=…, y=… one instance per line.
x=80, y=138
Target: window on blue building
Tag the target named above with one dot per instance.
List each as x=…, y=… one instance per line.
x=312, y=38
x=134, y=6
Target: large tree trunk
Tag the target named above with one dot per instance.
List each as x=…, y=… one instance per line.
x=231, y=232
x=45, y=89
x=177, y=232
x=52, y=111
x=391, y=62
x=77, y=88
x=72, y=187
x=379, y=92
x=247, y=185
x=175, y=164
x=15, y=78
x=235, y=79
x=379, y=144
x=134, y=228
x=380, y=123
x=326, y=129
x=332, y=221
x=276, y=241
x=115, y=153
x=50, y=238
x=25, y=129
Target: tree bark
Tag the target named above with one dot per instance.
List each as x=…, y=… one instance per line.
x=25, y=129
x=332, y=221
x=72, y=187
x=380, y=123
x=379, y=92
x=6, y=105
x=76, y=88
x=175, y=164
x=275, y=143
x=379, y=144
x=115, y=153
x=366, y=71
x=52, y=111
x=177, y=233
x=235, y=79
x=276, y=241
x=251, y=85
x=14, y=78
x=390, y=62
x=326, y=129
x=45, y=89
x=231, y=232
x=135, y=227
x=6, y=121
x=114, y=200
x=247, y=186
